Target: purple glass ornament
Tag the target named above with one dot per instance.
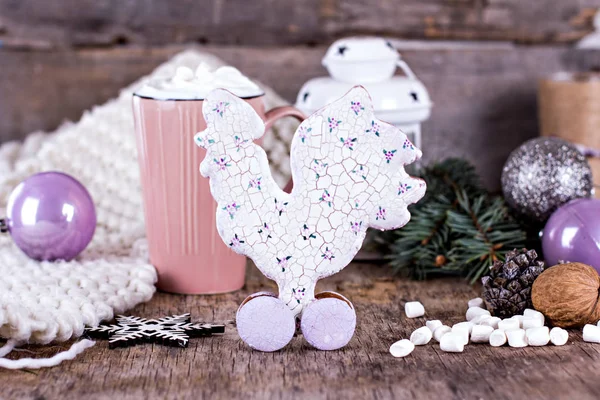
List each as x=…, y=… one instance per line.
x=573, y=234
x=51, y=216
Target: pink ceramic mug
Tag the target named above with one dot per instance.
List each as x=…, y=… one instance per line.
x=183, y=240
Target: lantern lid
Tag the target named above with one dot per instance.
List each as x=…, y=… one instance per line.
x=371, y=62
x=398, y=100
x=360, y=48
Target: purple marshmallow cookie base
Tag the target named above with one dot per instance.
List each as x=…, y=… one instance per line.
x=265, y=323
x=328, y=323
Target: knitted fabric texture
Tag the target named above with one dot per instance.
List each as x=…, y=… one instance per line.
x=44, y=302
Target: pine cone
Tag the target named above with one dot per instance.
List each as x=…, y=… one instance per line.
x=507, y=289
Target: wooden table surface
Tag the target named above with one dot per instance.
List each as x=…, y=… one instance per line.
x=224, y=367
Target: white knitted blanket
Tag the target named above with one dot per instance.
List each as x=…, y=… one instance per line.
x=42, y=302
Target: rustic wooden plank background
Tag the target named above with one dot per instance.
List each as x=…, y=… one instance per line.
x=289, y=22
x=61, y=57
x=225, y=368
x=485, y=96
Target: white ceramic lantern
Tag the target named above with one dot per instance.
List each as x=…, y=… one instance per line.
x=401, y=100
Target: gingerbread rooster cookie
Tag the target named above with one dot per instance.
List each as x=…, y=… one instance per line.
x=348, y=173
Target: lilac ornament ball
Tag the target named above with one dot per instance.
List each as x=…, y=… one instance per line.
x=573, y=234
x=51, y=216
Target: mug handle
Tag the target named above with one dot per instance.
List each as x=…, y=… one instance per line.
x=279, y=112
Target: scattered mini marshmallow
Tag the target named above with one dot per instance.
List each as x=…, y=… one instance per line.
x=463, y=329
x=516, y=337
x=414, y=309
x=531, y=313
x=462, y=333
x=476, y=302
x=452, y=343
x=466, y=324
x=508, y=324
x=480, y=319
x=481, y=333
x=498, y=338
x=402, y=348
x=591, y=333
x=559, y=336
x=474, y=312
x=520, y=319
x=433, y=324
x=598, y=324
x=421, y=336
x=491, y=321
x=440, y=332
x=529, y=322
x=538, y=336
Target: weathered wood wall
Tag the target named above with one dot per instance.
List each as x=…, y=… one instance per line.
x=292, y=22
x=60, y=57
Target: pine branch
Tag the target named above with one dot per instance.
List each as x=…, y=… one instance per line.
x=487, y=233
x=457, y=229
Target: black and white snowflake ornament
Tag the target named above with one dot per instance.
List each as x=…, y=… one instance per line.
x=175, y=330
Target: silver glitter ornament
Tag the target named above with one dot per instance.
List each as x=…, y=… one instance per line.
x=543, y=174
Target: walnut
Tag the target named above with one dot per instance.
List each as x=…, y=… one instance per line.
x=567, y=294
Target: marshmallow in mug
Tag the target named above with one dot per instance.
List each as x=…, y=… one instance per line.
x=187, y=84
